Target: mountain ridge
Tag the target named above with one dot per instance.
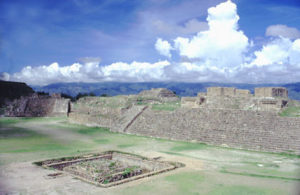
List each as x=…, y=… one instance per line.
x=180, y=88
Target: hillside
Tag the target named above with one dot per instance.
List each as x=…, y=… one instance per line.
x=181, y=89
x=13, y=90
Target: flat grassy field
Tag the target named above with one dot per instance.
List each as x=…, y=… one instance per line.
x=291, y=111
x=208, y=169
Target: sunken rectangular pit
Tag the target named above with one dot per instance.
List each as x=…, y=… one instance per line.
x=109, y=168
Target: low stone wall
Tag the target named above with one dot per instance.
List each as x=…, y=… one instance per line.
x=235, y=128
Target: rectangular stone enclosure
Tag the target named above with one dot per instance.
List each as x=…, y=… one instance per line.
x=109, y=168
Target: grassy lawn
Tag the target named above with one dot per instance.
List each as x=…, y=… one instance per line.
x=198, y=182
x=222, y=171
x=167, y=106
x=292, y=111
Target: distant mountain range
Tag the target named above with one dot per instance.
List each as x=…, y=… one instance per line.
x=181, y=89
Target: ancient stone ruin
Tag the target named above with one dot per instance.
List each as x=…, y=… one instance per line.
x=221, y=116
x=36, y=105
x=20, y=100
x=109, y=168
x=13, y=90
x=157, y=95
x=271, y=99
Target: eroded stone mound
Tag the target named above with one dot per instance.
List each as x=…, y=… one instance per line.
x=157, y=95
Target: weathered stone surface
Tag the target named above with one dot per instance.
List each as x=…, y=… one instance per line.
x=157, y=95
x=235, y=118
x=158, y=92
x=271, y=92
x=221, y=91
x=122, y=123
x=236, y=128
x=189, y=102
x=37, y=106
x=266, y=99
x=243, y=93
x=13, y=90
x=99, y=111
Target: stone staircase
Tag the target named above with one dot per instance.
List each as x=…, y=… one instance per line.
x=128, y=118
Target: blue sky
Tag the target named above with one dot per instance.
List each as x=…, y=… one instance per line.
x=39, y=33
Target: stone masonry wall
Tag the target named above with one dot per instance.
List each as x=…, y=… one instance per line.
x=90, y=120
x=235, y=128
x=60, y=107
x=271, y=92
x=37, y=106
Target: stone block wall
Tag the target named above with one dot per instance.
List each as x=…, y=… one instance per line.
x=91, y=120
x=221, y=91
x=189, y=102
x=243, y=93
x=251, y=130
x=37, y=106
x=158, y=92
x=228, y=92
x=214, y=91
x=271, y=92
x=239, y=121
x=61, y=107
x=112, y=112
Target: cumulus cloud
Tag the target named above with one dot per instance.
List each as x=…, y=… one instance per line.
x=220, y=52
x=283, y=30
x=275, y=52
x=163, y=47
x=280, y=52
x=222, y=39
x=4, y=76
x=92, y=72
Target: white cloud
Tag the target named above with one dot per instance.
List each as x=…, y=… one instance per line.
x=92, y=72
x=283, y=30
x=279, y=52
x=4, y=76
x=222, y=39
x=163, y=47
x=220, y=53
x=136, y=71
x=295, y=53
x=275, y=52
